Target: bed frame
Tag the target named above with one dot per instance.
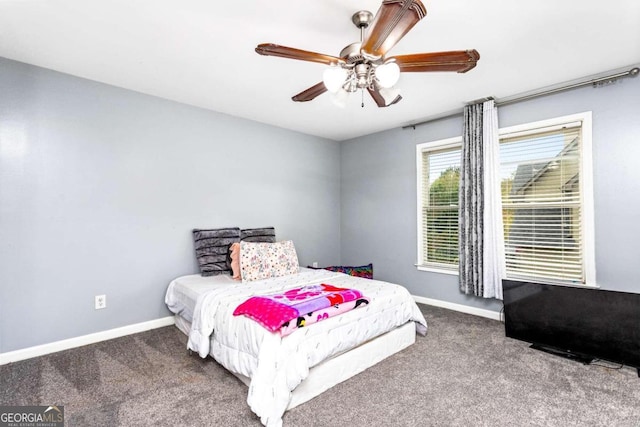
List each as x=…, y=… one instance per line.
x=341, y=367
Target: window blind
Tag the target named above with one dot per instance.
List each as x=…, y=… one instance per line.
x=541, y=200
x=440, y=181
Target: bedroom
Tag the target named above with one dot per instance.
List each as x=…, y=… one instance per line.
x=101, y=185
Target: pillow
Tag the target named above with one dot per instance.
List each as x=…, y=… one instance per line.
x=365, y=271
x=264, y=260
x=234, y=254
x=265, y=234
x=211, y=249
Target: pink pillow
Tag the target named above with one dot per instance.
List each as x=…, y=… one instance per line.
x=235, y=261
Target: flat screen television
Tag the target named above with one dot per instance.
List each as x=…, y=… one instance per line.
x=580, y=323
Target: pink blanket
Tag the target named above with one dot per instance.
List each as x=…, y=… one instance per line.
x=295, y=308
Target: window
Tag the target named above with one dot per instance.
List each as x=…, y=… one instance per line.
x=546, y=187
x=541, y=204
x=439, y=175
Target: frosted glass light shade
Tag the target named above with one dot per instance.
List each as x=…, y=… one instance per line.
x=389, y=95
x=333, y=78
x=388, y=74
x=339, y=98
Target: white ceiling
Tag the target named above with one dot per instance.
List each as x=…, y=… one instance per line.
x=202, y=52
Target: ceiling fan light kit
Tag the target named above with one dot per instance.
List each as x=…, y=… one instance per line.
x=334, y=77
x=339, y=99
x=363, y=65
x=387, y=74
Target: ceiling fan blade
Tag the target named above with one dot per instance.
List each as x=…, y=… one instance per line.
x=458, y=60
x=394, y=19
x=380, y=100
x=311, y=93
x=270, y=49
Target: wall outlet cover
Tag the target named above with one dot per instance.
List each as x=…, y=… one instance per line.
x=100, y=302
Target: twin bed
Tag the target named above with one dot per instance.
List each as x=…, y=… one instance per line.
x=283, y=372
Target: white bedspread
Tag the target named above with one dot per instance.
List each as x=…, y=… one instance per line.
x=277, y=365
x=184, y=291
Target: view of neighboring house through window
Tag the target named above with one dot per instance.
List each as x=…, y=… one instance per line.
x=546, y=198
x=540, y=176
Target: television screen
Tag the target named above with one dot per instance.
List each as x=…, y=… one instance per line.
x=581, y=321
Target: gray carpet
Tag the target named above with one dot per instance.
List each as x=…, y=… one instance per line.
x=463, y=373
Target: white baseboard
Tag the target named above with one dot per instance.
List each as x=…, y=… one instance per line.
x=489, y=314
x=41, y=350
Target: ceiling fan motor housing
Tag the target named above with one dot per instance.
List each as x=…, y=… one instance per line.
x=351, y=54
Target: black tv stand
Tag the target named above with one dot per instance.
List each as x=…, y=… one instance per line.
x=585, y=360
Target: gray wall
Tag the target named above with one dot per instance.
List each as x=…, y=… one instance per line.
x=100, y=188
x=379, y=191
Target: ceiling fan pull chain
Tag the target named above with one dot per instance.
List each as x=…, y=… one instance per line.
x=362, y=96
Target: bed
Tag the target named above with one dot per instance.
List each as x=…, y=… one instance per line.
x=282, y=373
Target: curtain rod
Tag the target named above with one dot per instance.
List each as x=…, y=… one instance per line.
x=600, y=81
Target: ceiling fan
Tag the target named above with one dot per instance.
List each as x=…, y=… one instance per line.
x=364, y=65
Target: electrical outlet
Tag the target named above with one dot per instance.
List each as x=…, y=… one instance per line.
x=315, y=264
x=101, y=302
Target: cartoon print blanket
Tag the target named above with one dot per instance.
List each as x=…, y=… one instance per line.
x=287, y=311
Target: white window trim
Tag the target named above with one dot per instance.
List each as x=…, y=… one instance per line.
x=443, y=144
x=586, y=184
x=429, y=268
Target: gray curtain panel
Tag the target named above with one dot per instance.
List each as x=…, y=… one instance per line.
x=471, y=202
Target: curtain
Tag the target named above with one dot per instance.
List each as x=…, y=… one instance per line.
x=480, y=219
x=493, y=248
x=471, y=203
